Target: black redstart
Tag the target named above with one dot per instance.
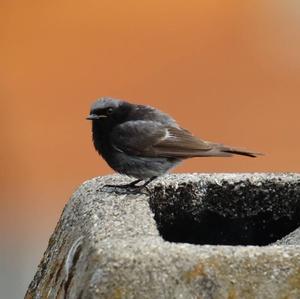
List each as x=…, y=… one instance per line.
x=143, y=142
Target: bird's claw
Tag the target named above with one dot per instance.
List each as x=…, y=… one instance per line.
x=133, y=189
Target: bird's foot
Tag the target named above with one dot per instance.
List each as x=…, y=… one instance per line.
x=133, y=187
x=126, y=186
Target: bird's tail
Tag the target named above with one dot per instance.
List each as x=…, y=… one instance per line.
x=220, y=150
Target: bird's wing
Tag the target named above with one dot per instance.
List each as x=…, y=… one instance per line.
x=153, y=139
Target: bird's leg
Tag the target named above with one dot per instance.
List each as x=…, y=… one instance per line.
x=130, y=185
x=139, y=188
x=149, y=181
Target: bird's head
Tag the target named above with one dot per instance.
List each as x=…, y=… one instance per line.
x=109, y=111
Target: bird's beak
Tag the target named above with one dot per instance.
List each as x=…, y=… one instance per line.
x=94, y=117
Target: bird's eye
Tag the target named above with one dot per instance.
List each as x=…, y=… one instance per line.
x=109, y=111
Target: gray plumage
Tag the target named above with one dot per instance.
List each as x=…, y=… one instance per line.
x=143, y=142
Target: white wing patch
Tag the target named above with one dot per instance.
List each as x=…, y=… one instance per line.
x=168, y=135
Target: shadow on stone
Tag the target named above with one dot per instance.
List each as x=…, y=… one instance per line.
x=227, y=214
x=216, y=229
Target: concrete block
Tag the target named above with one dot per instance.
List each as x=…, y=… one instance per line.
x=192, y=236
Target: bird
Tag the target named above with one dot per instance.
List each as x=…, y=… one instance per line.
x=144, y=143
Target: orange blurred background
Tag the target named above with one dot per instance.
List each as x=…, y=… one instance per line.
x=229, y=71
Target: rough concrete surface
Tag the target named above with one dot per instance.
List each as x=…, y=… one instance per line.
x=291, y=239
x=113, y=244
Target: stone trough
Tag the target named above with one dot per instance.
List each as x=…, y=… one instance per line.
x=192, y=236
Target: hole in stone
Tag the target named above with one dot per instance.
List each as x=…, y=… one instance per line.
x=226, y=214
